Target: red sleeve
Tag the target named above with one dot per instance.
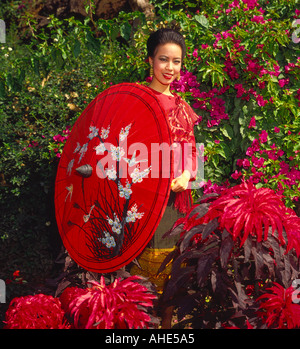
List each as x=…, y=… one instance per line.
x=190, y=154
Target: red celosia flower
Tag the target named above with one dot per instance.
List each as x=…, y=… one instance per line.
x=35, y=312
x=244, y=210
x=69, y=294
x=279, y=311
x=16, y=274
x=291, y=224
x=118, y=305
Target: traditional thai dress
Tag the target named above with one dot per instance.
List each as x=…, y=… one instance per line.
x=182, y=119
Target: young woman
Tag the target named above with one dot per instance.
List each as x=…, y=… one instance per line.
x=166, y=51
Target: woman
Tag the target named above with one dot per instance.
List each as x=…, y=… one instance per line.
x=166, y=51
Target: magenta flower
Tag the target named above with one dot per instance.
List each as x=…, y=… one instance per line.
x=261, y=101
x=252, y=122
x=258, y=19
x=195, y=53
x=283, y=82
x=236, y=175
x=263, y=137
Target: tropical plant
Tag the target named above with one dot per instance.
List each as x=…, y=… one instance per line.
x=231, y=247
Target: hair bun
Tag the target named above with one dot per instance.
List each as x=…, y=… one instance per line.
x=165, y=34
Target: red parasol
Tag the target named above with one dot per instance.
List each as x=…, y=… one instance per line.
x=114, y=176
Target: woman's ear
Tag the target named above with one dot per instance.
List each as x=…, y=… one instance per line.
x=151, y=61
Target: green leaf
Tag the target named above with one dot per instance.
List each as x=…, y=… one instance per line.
x=114, y=31
x=125, y=30
x=76, y=48
x=227, y=131
x=2, y=89
x=92, y=43
x=202, y=20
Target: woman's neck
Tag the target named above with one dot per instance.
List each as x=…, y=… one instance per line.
x=164, y=89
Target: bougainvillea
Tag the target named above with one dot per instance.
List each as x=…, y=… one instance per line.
x=35, y=312
x=120, y=305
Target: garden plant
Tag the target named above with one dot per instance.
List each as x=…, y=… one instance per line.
x=236, y=264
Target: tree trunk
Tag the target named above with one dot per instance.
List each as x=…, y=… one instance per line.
x=142, y=6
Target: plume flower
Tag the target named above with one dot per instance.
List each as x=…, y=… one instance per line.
x=291, y=224
x=244, y=210
x=118, y=305
x=35, y=312
x=277, y=308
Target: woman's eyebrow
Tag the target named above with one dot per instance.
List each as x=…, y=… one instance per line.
x=165, y=56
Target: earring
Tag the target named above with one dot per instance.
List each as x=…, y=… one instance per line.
x=178, y=77
x=151, y=71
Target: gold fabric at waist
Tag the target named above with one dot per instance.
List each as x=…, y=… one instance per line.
x=150, y=260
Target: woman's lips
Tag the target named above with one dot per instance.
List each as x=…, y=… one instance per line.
x=167, y=76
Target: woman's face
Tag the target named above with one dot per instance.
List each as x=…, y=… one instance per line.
x=166, y=63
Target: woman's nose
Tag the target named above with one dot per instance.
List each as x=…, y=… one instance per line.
x=170, y=66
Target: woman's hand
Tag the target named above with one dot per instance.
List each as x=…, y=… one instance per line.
x=181, y=182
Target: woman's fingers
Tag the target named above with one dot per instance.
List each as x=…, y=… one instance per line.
x=179, y=184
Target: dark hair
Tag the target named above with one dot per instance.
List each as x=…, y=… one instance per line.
x=165, y=36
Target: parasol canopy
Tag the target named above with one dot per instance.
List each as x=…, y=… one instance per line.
x=113, y=179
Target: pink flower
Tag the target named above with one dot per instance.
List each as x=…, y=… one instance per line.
x=260, y=101
x=252, y=122
x=280, y=152
x=239, y=162
x=246, y=163
x=231, y=70
x=236, y=175
x=204, y=46
x=276, y=129
x=257, y=162
x=263, y=137
x=240, y=90
x=283, y=82
x=258, y=19
x=251, y=4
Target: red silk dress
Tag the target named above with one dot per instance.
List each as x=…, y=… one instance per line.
x=182, y=120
